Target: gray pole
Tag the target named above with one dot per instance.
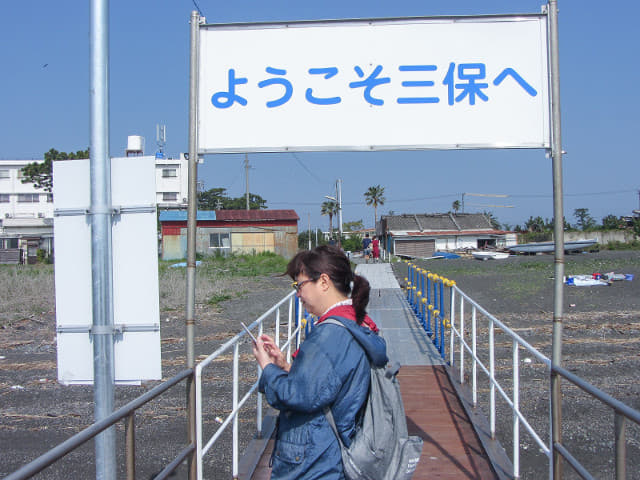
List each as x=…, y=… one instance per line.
x=101, y=263
x=192, y=210
x=339, y=193
x=309, y=231
x=558, y=234
x=246, y=173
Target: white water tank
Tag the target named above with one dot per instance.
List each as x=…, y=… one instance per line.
x=135, y=145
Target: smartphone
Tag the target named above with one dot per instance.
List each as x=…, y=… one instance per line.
x=249, y=332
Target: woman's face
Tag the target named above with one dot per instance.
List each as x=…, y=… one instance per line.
x=310, y=294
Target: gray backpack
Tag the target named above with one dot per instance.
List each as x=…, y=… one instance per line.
x=381, y=448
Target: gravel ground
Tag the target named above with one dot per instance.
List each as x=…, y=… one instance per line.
x=38, y=413
x=601, y=339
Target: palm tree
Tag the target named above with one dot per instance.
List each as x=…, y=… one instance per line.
x=456, y=206
x=375, y=196
x=330, y=208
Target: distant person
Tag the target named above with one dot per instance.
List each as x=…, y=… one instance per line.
x=332, y=241
x=366, y=246
x=376, y=249
x=331, y=369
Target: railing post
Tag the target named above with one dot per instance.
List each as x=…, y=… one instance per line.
x=492, y=387
x=236, y=396
x=453, y=323
x=461, y=343
x=516, y=409
x=130, y=445
x=621, y=447
x=475, y=355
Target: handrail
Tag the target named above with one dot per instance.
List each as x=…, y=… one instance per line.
x=294, y=332
x=622, y=411
x=56, y=453
x=419, y=291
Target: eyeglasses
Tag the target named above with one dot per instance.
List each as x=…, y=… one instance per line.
x=298, y=285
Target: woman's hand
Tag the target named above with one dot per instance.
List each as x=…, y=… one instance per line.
x=266, y=351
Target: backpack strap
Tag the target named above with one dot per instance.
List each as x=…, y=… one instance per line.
x=327, y=410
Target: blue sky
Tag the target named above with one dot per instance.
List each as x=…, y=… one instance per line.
x=44, y=101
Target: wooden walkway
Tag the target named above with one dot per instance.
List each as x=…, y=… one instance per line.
x=435, y=412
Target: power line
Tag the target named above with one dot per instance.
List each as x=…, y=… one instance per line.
x=198, y=8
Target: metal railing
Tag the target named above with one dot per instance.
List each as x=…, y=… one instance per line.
x=126, y=412
x=622, y=411
x=425, y=293
x=295, y=328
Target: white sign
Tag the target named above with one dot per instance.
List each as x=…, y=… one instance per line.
x=135, y=270
x=438, y=83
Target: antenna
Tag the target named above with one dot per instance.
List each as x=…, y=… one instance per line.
x=161, y=139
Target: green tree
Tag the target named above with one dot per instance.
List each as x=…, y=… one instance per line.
x=456, y=206
x=256, y=202
x=41, y=173
x=330, y=208
x=353, y=226
x=494, y=221
x=217, y=199
x=611, y=222
x=585, y=221
x=375, y=196
x=536, y=224
x=212, y=199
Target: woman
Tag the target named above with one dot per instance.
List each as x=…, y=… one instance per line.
x=331, y=368
x=376, y=249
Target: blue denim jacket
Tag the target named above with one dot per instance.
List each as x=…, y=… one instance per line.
x=331, y=369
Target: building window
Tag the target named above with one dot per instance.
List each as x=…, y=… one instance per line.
x=219, y=240
x=5, y=198
x=169, y=196
x=49, y=197
x=28, y=197
x=9, y=242
x=169, y=172
x=4, y=173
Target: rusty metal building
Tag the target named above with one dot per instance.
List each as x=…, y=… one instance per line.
x=231, y=231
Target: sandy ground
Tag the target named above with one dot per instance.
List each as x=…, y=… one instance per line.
x=601, y=344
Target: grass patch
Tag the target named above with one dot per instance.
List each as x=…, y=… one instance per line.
x=216, y=299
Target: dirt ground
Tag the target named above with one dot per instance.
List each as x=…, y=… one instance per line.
x=601, y=344
x=37, y=413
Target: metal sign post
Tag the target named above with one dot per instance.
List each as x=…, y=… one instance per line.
x=558, y=235
x=101, y=266
x=192, y=210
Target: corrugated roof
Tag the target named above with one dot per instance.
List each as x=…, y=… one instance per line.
x=181, y=215
x=438, y=222
x=256, y=215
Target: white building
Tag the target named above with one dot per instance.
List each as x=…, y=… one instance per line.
x=172, y=182
x=26, y=212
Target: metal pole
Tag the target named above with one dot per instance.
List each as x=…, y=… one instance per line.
x=339, y=184
x=192, y=210
x=101, y=255
x=309, y=218
x=558, y=233
x=130, y=445
x=246, y=172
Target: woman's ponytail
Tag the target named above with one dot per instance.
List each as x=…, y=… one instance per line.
x=360, y=297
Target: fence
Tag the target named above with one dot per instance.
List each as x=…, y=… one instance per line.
x=126, y=412
x=295, y=324
x=425, y=293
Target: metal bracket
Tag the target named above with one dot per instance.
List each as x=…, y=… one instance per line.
x=118, y=210
x=108, y=329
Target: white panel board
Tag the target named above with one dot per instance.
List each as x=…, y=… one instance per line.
x=442, y=83
x=135, y=270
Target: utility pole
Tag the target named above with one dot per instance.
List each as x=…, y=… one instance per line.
x=309, y=231
x=246, y=172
